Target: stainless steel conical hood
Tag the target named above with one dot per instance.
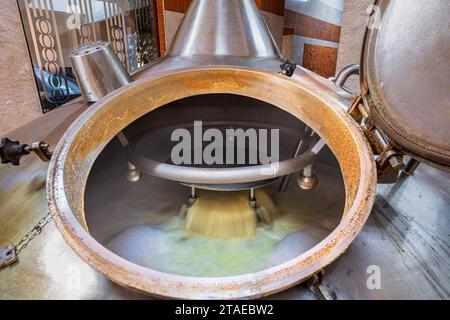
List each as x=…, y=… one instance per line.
x=222, y=32
x=224, y=28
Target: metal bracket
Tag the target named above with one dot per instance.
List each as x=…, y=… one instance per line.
x=343, y=76
x=410, y=167
x=308, y=139
x=388, y=159
x=8, y=256
x=288, y=68
x=262, y=214
x=190, y=202
x=318, y=288
x=13, y=151
x=41, y=149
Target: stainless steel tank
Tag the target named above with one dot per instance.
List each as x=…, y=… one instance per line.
x=222, y=49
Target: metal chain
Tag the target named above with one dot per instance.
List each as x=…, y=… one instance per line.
x=37, y=229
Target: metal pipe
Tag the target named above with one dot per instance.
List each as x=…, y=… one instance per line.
x=286, y=179
x=301, y=147
x=191, y=175
x=252, y=194
x=308, y=171
x=343, y=76
x=193, y=193
x=252, y=198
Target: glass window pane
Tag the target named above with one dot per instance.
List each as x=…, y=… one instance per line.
x=55, y=28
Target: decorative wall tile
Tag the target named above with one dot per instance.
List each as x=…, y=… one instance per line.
x=271, y=6
x=318, y=9
x=320, y=59
x=306, y=26
x=179, y=6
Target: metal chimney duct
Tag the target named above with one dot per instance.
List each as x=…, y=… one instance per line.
x=222, y=32
x=224, y=28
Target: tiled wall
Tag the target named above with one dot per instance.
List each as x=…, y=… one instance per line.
x=272, y=6
x=303, y=25
x=312, y=34
x=319, y=58
x=179, y=6
x=161, y=27
x=329, y=11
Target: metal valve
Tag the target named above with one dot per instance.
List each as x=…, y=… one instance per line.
x=13, y=151
x=288, y=68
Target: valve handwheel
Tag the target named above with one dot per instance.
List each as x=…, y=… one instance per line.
x=13, y=151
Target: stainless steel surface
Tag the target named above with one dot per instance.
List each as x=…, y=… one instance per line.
x=222, y=32
x=231, y=186
x=286, y=179
x=317, y=286
x=406, y=235
x=410, y=167
x=231, y=33
x=132, y=173
x=224, y=28
x=194, y=73
x=193, y=193
x=156, y=90
x=319, y=109
x=405, y=76
x=49, y=268
x=131, y=208
x=98, y=71
x=45, y=266
x=150, y=143
x=41, y=149
x=8, y=256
